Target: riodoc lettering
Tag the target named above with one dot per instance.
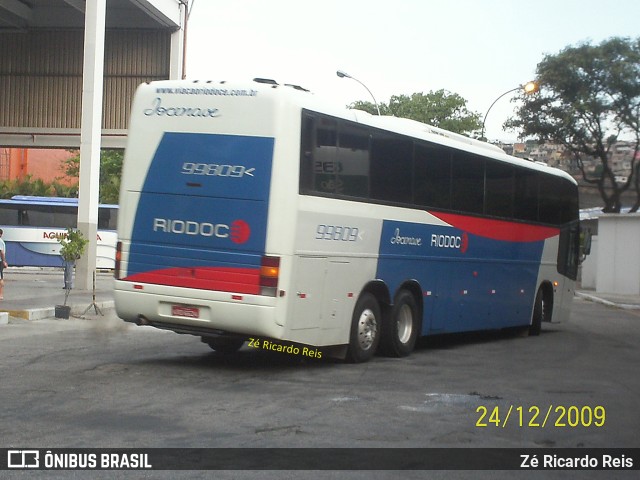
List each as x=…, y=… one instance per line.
x=398, y=239
x=446, y=241
x=239, y=230
x=188, y=227
x=158, y=110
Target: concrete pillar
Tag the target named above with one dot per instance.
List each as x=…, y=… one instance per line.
x=618, y=262
x=177, y=66
x=91, y=129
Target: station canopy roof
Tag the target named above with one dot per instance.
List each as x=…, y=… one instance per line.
x=16, y=15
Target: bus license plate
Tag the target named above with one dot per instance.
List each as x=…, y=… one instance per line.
x=184, y=311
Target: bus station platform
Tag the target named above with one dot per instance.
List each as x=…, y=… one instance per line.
x=32, y=293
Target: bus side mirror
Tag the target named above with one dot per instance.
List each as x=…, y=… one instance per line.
x=586, y=245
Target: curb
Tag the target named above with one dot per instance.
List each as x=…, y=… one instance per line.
x=593, y=298
x=31, y=314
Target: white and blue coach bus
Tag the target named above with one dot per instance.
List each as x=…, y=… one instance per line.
x=32, y=226
x=254, y=210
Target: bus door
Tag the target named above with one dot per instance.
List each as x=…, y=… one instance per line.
x=320, y=289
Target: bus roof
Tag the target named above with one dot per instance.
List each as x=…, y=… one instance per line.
x=29, y=200
x=305, y=99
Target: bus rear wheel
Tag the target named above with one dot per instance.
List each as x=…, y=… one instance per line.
x=224, y=345
x=365, y=329
x=401, y=331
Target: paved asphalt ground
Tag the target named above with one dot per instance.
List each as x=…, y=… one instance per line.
x=69, y=382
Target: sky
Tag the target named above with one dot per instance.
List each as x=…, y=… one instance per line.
x=477, y=49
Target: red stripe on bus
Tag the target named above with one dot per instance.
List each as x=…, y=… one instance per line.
x=498, y=229
x=222, y=279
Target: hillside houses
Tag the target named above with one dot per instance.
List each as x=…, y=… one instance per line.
x=555, y=155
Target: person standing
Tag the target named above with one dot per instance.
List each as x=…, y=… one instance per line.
x=3, y=263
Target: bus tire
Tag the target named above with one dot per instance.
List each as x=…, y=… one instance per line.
x=538, y=314
x=400, y=333
x=224, y=345
x=366, y=330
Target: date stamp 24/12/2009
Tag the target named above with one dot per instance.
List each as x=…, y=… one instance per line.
x=533, y=416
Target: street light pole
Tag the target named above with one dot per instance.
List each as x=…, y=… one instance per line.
x=342, y=74
x=529, y=88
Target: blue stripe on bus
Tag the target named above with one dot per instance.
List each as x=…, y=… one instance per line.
x=32, y=254
x=221, y=166
x=203, y=194
x=468, y=281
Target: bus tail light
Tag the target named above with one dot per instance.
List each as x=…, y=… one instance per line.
x=116, y=271
x=269, y=273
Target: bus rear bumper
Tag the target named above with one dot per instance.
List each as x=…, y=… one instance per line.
x=197, y=316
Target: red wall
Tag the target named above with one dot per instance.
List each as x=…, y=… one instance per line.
x=45, y=164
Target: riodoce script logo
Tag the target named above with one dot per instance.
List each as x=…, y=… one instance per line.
x=159, y=110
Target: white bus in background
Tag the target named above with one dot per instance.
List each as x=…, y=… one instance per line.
x=255, y=211
x=32, y=225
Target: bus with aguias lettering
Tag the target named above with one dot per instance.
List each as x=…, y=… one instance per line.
x=33, y=224
x=254, y=210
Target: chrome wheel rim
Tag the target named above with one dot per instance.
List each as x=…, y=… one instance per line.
x=367, y=329
x=405, y=324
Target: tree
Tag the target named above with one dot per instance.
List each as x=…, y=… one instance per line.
x=441, y=109
x=110, y=172
x=589, y=98
x=28, y=186
x=72, y=246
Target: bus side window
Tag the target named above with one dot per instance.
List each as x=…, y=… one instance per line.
x=306, y=154
x=391, y=168
x=352, y=166
x=526, y=202
x=318, y=155
x=103, y=218
x=325, y=157
x=23, y=217
x=432, y=176
x=499, y=191
x=467, y=174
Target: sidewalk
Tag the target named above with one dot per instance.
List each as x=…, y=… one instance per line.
x=31, y=293
x=628, y=302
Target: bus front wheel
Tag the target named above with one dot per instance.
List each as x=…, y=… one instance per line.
x=539, y=308
x=365, y=329
x=401, y=331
